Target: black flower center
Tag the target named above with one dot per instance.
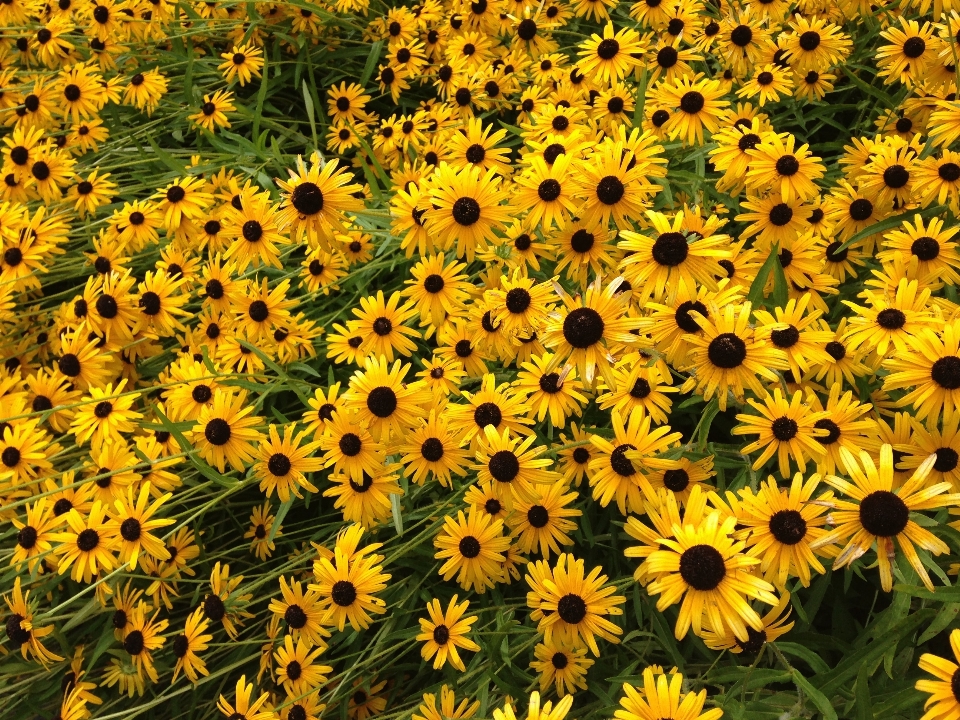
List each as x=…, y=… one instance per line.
x=469, y=547
x=755, y=641
x=441, y=634
x=620, y=462
x=279, y=464
x=608, y=49
x=784, y=429
x=550, y=383
x=765, y=78
x=581, y=456
x=133, y=642
x=295, y=616
x=343, y=593
x=382, y=326
x=504, y=466
x=641, y=389
x=810, y=40
x=896, y=176
x=107, y=307
x=741, y=35
x=431, y=449
x=610, y=190
x=702, y=567
x=548, y=190
x=17, y=635
x=883, y=514
x=475, y=154
x=466, y=211
x=947, y=459
x=583, y=327
x=685, y=320
x=914, y=47
x=836, y=350
x=571, y=609
x=130, y=529
x=538, y=516
x=10, y=457
x=350, y=444
x=582, y=241
x=667, y=57
x=788, y=526
x=433, y=283
x=925, y=248
x=786, y=338
x=27, y=537
x=382, y=402
x=833, y=431
x=787, y=165
x=891, y=319
x=87, y=540
x=103, y=409
x=670, y=249
x=861, y=209
x=692, y=102
x=307, y=198
x=946, y=372
x=949, y=171
x=217, y=432
x=487, y=414
x=560, y=661
x=214, y=608
x=727, y=351
x=150, y=303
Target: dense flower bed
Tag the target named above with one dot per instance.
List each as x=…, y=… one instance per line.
x=479, y=359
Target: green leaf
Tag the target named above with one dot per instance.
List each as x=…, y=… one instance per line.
x=397, y=514
x=863, y=704
x=817, y=697
x=755, y=294
x=278, y=519
x=371, y=63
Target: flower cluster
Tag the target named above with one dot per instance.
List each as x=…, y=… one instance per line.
x=382, y=354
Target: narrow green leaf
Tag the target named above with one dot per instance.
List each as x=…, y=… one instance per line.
x=755, y=294
x=864, y=705
x=817, y=697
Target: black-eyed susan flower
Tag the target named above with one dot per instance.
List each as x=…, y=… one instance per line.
x=132, y=522
x=297, y=668
x=381, y=399
x=432, y=450
x=944, y=700
x=213, y=111
x=445, y=631
x=448, y=708
x=21, y=630
x=613, y=475
x=542, y=522
x=242, y=706
x=347, y=589
x=785, y=428
x=583, y=330
x=728, y=356
x=551, y=390
x=472, y=547
x=87, y=545
x=655, y=265
x=284, y=462
x=302, y=611
x=707, y=568
x=243, y=64
x=564, y=668
x=778, y=163
x=188, y=645
x=662, y=696
x=262, y=533
x=879, y=514
x=316, y=198
x=784, y=522
x=225, y=431
x=574, y=605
